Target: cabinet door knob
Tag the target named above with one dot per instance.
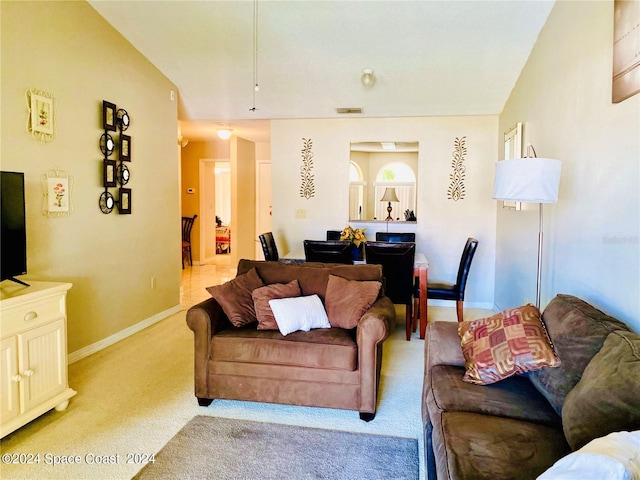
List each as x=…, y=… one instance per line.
x=31, y=316
x=17, y=379
x=27, y=373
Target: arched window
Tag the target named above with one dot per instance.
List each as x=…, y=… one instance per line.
x=401, y=177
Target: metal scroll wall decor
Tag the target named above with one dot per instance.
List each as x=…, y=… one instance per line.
x=456, y=189
x=307, y=188
x=115, y=173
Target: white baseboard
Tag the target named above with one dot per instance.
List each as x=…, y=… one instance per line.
x=122, y=334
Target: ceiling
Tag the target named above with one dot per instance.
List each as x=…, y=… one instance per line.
x=430, y=57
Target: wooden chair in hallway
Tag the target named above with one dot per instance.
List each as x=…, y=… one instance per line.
x=187, y=225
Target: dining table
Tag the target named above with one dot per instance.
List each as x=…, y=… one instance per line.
x=420, y=271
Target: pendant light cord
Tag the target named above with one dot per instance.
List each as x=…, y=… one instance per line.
x=255, y=54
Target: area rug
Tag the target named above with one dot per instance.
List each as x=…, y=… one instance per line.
x=220, y=448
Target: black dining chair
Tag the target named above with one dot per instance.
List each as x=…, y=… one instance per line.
x=397, y=260
x=269, y=247
x=395, y=237
x=404, y=237
x=187, y=226
x=333, y=234
x=329, y=251
x=438, y=290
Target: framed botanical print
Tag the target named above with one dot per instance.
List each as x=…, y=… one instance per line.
x=41, y=115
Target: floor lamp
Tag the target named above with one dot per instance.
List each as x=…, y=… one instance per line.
x=532, y=180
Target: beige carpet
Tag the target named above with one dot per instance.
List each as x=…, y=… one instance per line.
x=134, y=396
x=226, y=449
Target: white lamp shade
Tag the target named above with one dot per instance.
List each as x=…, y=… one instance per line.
x=534, y=180
x=389, y=195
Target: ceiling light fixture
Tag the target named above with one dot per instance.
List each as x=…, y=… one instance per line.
x=367, y=78
x=225, y=133
x=388, y=145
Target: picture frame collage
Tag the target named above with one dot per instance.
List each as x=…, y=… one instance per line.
x=115, y=172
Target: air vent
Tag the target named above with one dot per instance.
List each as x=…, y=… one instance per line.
x=348, y=110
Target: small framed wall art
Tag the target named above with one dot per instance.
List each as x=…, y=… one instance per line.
x=124, y=204
x=125, y=148
x=109, y=175
x=41, y=119
x=108, y=116
x=56, y=187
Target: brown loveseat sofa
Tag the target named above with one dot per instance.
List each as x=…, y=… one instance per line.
x=327, y=367
x=518, y=427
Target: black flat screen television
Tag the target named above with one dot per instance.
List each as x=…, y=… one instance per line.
x=13, y=242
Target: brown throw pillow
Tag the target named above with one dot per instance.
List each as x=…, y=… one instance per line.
x=607, y=397
x=235, y=298
x=261, y=297
x=511, y=342
x=347, y=300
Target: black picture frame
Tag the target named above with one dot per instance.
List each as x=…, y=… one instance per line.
x=125, y=148
x=124, y=202
x=109, y=116
x=109, y=173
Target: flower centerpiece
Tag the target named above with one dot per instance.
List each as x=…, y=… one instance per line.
x=357, y=237
x=354, y=235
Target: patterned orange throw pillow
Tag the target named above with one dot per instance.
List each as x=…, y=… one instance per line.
x=511, y=342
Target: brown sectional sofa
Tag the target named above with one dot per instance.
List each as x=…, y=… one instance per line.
x=335, y=367
x=518, y=427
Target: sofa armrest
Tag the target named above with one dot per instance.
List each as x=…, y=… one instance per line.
x=205, y=319
x=441, y=347
x=374, y=327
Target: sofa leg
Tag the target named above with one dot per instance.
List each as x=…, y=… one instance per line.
x=204, y=402
x=367, y=417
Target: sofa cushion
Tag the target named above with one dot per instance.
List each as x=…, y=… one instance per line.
x=235, y=297
x=578, y=331
x=332, y=348
x=511, y=342
x=475, y=446
x=514, y=397
x=312, y=276
x=261, y=297
x=347, y=300
x=299, y=314
x=607, y=397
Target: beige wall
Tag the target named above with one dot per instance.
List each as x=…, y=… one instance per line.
x=443, y=225
x=563, y=98
x=67, y=49
x=243, y=199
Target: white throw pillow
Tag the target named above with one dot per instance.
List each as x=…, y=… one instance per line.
x=613, y=457
x=299, y=313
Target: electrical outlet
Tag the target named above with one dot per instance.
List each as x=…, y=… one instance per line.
x=172, y=95
x=153, y=283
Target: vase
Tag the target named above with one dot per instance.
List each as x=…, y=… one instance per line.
x=358, y=252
